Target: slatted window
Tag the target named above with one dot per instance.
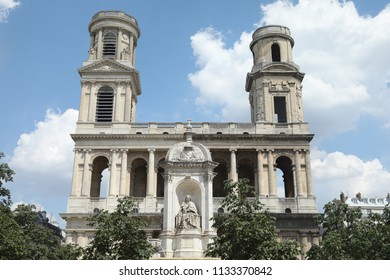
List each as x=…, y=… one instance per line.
x=104, y=106
x=109, y=44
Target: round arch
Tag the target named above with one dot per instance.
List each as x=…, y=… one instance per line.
x=99, y=164
x=285, y=164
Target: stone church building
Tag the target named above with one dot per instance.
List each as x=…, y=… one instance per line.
x=175, y=171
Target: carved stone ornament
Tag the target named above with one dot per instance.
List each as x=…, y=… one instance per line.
x=187, y=153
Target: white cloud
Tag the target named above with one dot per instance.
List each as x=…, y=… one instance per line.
x=5, y=7
x=338, y=172
x=49, y=146
x=344, y=55
x=220, y=78
x=42, y=161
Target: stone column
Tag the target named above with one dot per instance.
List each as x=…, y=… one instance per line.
x=151, y=175
x=305, y=243
x=118, y=44
x=128, y=104
x=309, y=183
x=83, y=113
x=75, y=180
x=122, y=186
x=133, y=109
x=117, y=102
x=112, y=187
x=233, y=166
x=86, y=187
x=132, y=50
x=92, y=102
x=261, y=185
x=100, y=45
x=271, y=175
x=298, y=173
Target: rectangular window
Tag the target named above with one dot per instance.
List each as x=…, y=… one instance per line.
x=280, y=108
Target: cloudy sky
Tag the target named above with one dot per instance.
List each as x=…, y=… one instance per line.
x=193, y=57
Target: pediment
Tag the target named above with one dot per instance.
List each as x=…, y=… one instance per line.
x=105, y=66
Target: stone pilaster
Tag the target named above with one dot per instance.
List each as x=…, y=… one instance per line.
x=86, y=186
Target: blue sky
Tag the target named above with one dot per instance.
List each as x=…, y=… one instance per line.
x=193, y=57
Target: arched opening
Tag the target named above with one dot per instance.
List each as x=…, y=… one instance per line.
x=99, y=166
x=275, y=50
x=160, y=181
x=139, y=178
x=285, y=165
x=109, y=45
x=246, y=170
x=104, y=105
x=220, y=178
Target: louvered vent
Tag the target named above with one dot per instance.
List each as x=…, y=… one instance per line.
x=104, y=106
x=109, y=45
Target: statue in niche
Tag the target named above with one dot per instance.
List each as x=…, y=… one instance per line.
x=188, y=217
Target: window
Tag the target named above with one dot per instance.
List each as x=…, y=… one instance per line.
x=280, y=109
x=109, y=44
x=275, y=50
x=104, y=106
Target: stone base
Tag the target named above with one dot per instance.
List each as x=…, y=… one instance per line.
x=184, y=244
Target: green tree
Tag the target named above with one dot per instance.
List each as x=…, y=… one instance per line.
x=248, y=231
x=42, y=242
x=119, y=234
x=6, y=175
x=22, y=234
x=349, y=235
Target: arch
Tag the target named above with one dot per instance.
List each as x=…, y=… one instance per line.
x=220, y=178
x=275, y=50
x=139, y=178
x=99, y=164
x=192, y=188
x=246, y=170
x=160, y=180
x=105, y=104
x=284, y=163
x=109, y=44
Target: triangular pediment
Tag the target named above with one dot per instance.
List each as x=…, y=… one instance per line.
x=105, y=66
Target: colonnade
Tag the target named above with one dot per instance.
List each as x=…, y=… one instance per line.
x=120, y=178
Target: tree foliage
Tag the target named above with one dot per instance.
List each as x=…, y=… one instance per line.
x=350, y=236
x=6, y=175
x=248, y=231
x=119, y=234
x=23, y=236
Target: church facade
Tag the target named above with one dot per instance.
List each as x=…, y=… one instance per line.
x=175, y=171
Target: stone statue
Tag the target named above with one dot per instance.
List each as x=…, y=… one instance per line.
x=125, y=53
x=188, y=217
x=92, y=53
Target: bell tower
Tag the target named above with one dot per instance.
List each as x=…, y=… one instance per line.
x=110, y=82
x=274, y=83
